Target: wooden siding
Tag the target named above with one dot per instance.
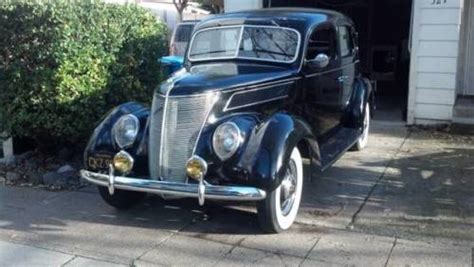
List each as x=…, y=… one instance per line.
x=434, y=62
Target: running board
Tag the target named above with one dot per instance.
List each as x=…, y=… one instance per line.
x=334, y=147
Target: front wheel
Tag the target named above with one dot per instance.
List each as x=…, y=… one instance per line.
x=121, y=199
x=279, y=209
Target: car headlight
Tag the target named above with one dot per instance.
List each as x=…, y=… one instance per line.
x=226, y=140
x=125, y=130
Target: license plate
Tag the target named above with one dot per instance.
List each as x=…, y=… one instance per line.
x=100, y=162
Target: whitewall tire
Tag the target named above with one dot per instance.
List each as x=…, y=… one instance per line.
x=364, y=138
x=279, y=210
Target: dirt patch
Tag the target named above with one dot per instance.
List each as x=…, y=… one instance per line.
x=35, y=169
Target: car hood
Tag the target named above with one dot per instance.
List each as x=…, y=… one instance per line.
x=205, y=78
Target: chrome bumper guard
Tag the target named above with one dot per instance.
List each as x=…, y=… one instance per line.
x=233, y=193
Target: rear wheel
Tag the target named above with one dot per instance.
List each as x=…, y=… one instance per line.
x=364, y=138
x=121, y=199
x=278, y=211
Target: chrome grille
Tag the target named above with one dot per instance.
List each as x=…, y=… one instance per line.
x=174, y=129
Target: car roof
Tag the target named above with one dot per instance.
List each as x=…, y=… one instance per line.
x=301, y=19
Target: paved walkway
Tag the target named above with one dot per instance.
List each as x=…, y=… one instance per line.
x=407, y=200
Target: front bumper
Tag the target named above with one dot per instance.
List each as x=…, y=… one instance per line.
x=233, y=193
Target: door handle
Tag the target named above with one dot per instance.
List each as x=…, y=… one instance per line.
x=342, y=79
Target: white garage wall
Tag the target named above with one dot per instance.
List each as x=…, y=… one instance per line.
x=434, y=61
x=237, y=5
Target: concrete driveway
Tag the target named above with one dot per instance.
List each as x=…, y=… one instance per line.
x=406, y=200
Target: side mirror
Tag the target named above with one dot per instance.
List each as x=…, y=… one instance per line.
x=321, y=61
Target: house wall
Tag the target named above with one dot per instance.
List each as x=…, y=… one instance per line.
x=434, y=60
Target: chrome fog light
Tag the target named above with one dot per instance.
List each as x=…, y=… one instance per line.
x=123, y=162
x=196, y=167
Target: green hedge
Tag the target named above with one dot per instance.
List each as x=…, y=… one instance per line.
x=63, y=64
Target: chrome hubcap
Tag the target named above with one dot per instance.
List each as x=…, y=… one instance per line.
x=288, y=189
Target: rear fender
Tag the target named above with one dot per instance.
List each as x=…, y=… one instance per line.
x=361, y=95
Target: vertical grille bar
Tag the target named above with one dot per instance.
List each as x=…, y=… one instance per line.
x=176, y=136
x=154, y=141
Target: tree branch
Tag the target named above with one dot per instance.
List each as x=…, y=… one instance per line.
x=180, y=6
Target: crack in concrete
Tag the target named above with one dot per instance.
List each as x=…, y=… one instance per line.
x=377, y=182
x=391, y=251
x=238, y=244
x=172, y=234
x=68, y=261
x=309, y=252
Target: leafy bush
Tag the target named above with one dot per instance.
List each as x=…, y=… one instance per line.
x=63, y=64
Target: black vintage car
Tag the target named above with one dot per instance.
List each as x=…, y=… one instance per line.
x=259, y=90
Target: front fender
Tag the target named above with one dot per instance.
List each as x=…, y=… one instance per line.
x=269, y=148
x=101, y=147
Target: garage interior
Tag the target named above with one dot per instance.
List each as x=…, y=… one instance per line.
x=384, y=30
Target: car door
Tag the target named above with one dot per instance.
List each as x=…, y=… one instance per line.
x=322, y=87
x=347, y=54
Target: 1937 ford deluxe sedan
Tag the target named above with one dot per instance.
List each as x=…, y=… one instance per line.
x=259, y=90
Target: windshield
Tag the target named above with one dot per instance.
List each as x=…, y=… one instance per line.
x=249, y=42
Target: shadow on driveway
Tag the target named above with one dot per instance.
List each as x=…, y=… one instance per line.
x=398, y=186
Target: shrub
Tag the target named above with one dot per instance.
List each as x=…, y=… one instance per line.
x=63, y=64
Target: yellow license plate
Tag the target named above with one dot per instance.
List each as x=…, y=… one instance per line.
x=100, y=162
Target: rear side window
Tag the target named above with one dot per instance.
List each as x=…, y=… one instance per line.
x=183, y=33
x=345, y=41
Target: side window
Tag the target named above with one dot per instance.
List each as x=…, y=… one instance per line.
x=345, y=41
x=183, y=33
x=322, y=41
